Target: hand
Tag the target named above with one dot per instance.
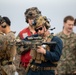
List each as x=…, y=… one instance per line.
x=40, y=49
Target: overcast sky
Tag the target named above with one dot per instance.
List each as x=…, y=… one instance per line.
x=56, y=10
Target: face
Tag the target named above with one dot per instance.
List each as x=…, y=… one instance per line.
x=40, y=30
x=30, y=21
x=68, y=26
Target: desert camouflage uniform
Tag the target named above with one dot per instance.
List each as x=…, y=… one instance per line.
x=20, y=69
x=1, y=43
x=67, y=64
x=8, y=51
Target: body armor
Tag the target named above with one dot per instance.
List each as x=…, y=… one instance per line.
x=40, y=57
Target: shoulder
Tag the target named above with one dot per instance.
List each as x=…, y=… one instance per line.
x=73, y=34
x=59, y=34
x=11, y=33
x=24, y=30
x=23, y=33
x=57, y=39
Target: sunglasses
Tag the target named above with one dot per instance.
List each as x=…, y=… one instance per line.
x=38, y=29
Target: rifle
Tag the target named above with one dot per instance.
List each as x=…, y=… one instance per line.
x=33, y=42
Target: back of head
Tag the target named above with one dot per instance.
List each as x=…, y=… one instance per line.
x=41, y=21
x=31, y=13
x=7, y=20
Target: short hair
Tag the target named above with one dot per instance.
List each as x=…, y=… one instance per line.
x=68, y=18
x=7, y=20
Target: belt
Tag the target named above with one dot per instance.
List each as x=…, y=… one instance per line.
x=37, y=68
x=68, y=74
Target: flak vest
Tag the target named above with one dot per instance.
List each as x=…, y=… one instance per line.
x=38, y=57
x=6, y=49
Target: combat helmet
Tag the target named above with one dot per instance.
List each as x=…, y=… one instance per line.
x=32, y=13
x=41, y=21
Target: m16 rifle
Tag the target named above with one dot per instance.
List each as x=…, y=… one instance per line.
x=33, y=42
x=30, y=43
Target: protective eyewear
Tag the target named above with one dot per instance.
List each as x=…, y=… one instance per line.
x=38, y=29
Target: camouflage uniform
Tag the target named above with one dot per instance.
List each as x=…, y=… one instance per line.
x=19, y=68
x=1, y=43
x=67, y=63
x=8, y=51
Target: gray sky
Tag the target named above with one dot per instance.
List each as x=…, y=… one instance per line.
x=56, y=10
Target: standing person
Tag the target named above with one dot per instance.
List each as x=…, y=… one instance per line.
x=1, y=48
x=67, y=63
x=8, y=51
x=30, y=15
x=44, y=59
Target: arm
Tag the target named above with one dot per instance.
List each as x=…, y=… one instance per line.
x=22, y=49
x=10, y=38
x=55, y=53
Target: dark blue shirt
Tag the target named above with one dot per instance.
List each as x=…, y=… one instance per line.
x=51, y=56
x=54, y=54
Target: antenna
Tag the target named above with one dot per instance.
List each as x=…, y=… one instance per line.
x=52, y=28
